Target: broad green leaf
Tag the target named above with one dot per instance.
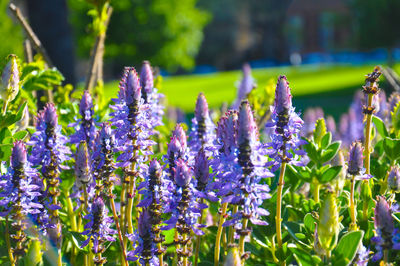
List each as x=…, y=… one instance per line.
x=380, y=126
x=330, y=174
x=392, y=148
x=78, y=239
x=20, y=135
x=309, y=222
x=330, y=152
x=5, y=152
x=303, y=257
x=34, y=255
x=326, y=140
x=347, y=247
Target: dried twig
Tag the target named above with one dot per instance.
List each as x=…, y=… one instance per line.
x=28, y=51
x=30, y=34
x=97, y=56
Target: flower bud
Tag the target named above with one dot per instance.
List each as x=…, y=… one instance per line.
x=133, y=90
x=201, y=111
x=144, y=224
x=86, y=105
x=10, y=79
x=18, y=155
x=247, y=128
x=50, y=115
x=233, y=258
x=146, y=78
x=328, y=226
x=174, y=146
x=227, y=131
x=106, y=135
x=201, y=169
x=180, y=135
x=97, y=210
x=182, y=173
x=393, y=180
x=283, y=96
x=154, y=166
x=355, y=158
x=82, y=164
x=319, y=131
x=383, y=217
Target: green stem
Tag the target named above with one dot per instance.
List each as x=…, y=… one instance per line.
x=219, y=233
x=367, y=146
x=353, y=225
x=231, y=232
x=279, y=205
x=242, y=237
x=185, y=258
x=198, y=239
x=121, y=241
x=71, y=214
x=128, y=210
x=385, y=257
x=122, y=211
x=10, y=253
x=5, y=104
x=316, y=191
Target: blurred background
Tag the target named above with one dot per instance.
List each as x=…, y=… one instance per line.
x=325, y=47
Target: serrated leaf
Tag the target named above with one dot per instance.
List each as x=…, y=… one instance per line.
x=330, y=174
x=347, y=247
x=380, y=126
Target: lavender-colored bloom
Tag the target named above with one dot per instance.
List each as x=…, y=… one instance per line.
x=202, y=134
x=177, y=149
x=388, y=237
x=245, y=86
x=85, y=127
x=83, y=171
x=394, y=99
x=130, y=118
x=393, y=180
x=383, y=111
x=144, y=247
x=201, y=171
x=19, y=178
x=184, y=208
x=355, y=164
x=98, y=228
x=331, y=125
x=49, y=145
x=362, y=257
x=151, y=95
x=286, y=124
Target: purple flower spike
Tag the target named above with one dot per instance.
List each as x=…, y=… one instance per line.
x=18, y=155
x=283, y=96
x=387, y=236
x=201, y=170
x=144, y=247
x=247, y=130
x=245, y=86
x=146, y=79
x=86, y=106
x=98, y=229
x=355, y=165
x=394, y=179
x=83, y=169
x=133, y=89
x=180, y=134
x=286, y=125
x=202, y=133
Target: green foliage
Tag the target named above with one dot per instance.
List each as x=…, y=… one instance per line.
x=347, y=248
x=166, y=32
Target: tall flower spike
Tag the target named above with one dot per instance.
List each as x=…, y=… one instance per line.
x=387, y=236
x=245, y=86
x=203, y=129
x=144, y=248
x=49, y=152
x=98, y=229
x=151, y=95
x=83, y=171
x=355, y=164
x=19, y=195
x=286, y=124
x=177, y=149
x=85, y=127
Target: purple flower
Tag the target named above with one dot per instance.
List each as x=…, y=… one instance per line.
x=394, y=99
x=144, y=247
x=150, y=94
x=351, y=125
x=245, y=86
x=355, y=164
x=98, y=228
x=393, y=180
x=331, y=125
x=19, y=179
x=19, y=195
x=130, y=118
x=202, y=134
x=177, y=149
x=85, y=127
x=201, y=170
x=311, y=115
x=387, y=236
x=286, y=124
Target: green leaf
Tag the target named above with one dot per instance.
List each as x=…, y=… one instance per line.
x=11, y=118
x=5, y=152
x=309, y=222
x=5, y=136
x=330, y=152
x=20, y=135
x=347, y=248
x=77, y=240
x=303, y=257
x=392, y=148
x=380, y=126
x=330, y=174
x=34, y=255
x=326, y=140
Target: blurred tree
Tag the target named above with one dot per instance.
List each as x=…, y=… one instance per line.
x=11, y=35
x=166, y=32
x=377, y=24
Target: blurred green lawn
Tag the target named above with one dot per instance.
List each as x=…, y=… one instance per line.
x=306, y=81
